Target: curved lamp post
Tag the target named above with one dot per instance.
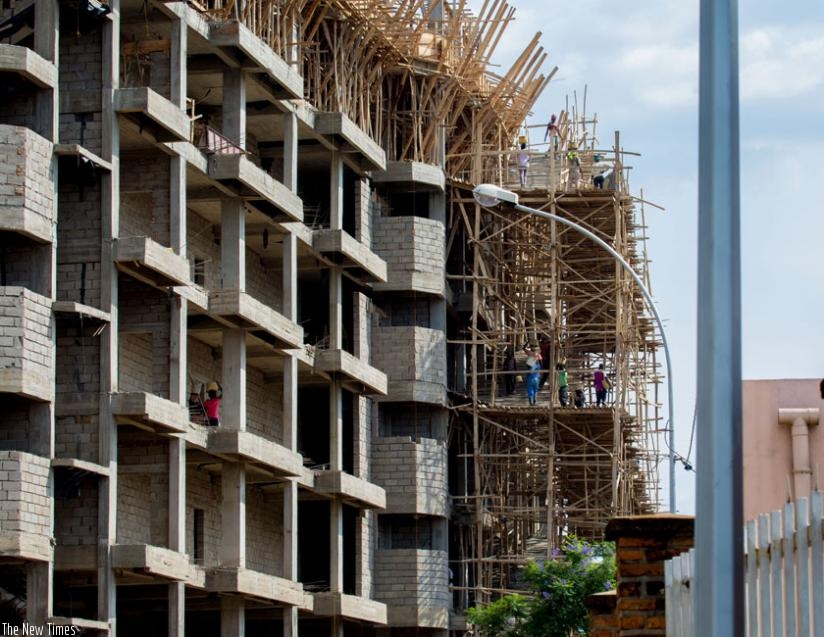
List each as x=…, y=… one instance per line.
x=491, y=196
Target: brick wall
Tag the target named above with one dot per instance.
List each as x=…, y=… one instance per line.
x=403, y=312
x=410, y=353
x=412, y=577
x=144, y=196
x=79, y=244
x=264, y=531
x=24, y=483
x=14, y=426
x=411, y=470
x=264, y=406
x=19, y=109
x=75, y=511
x=144, y=324
x=200, y=245
x=410, y=244
x=26, y=179
x=81, y=79
x=26, y=333
x=203, y=491
x=77, y=436
x=365, y=534
x=415, y=421
x=363, y=212
x=362, y=407
x=603, y=620
x=142, y=490
x=265, y=284
x=643, y=543
x=205, y=364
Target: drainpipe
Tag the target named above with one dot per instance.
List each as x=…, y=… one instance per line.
x=800, y=421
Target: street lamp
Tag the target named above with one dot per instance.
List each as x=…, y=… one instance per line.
x=490, y=196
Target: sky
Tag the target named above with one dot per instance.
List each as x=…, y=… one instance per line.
x=639, y=63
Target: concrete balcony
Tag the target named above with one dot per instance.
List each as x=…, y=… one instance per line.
x=242, y=581
x=150, y=262
x=257, y=58
x=25, y=511
x=239, y=309
x=406, y=174
x=413, y=248
x=150, y=412
x=347, y=487
x=26, y=347
x=152, y=115
x=265, y=455
x=353, y=369
x=351, y=254
x=349, y=606
x=414, y=585
x=27, y=65
x=347, y=137
x=414, y=358
x=150, y=561
x=413, y=475
x=256, y=187
x=26, y=184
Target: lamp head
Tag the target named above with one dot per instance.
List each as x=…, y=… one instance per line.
x=490, y=195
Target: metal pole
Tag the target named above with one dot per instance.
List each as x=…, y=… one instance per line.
x=648, y=297
x=719, y=601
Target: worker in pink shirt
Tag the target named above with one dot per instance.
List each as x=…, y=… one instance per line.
x=212, y=403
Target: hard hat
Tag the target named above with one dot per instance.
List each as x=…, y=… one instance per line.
x=212, y=386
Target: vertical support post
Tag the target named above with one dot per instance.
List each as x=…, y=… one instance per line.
x=290, y=151
x=234, y=106
x=232, y=617
x=233, y=546
x=290, y=432
x=177, y=532
x=233, y=405
x=719, y=599
x=110, y=229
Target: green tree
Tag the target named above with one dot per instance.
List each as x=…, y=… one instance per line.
x=557, y=589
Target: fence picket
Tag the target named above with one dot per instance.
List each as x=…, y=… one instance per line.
x=750, y=560
x=803, y=553
x=784, y=575
x=670, y=605
x=679, y=584
x=790, y=608
x=817, y=553
x=777, y=579
x=689, y=627
x=762, y=585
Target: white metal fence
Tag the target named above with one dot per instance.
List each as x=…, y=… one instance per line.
x=784, y=561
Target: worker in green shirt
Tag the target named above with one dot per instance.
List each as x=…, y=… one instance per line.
x=563, y=385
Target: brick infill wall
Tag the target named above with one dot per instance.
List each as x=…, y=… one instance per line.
x=642, y=545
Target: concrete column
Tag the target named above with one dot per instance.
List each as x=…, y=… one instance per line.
x=336, y=191
x=177, y=531
x=234, y=106
x=46, y=44
x=290, y=433
x=233, y=515
x=363, y=213
x=233, y=405
x=290, y=151
x=437, y=207
x=335, y=506
x=233, y=244
x=335, y=309
x=39, y=593
x=232, y=617
x=290, y=277
x=110, y=229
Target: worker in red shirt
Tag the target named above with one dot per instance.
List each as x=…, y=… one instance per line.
x=212, y=403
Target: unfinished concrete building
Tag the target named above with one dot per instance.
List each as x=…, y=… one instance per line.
x=271, y=197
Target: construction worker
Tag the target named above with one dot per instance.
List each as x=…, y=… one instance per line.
x=523, y=164
x=563, y=384
x=212, y=403
x=574, y=162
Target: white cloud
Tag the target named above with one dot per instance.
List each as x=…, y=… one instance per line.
x=780, y=63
